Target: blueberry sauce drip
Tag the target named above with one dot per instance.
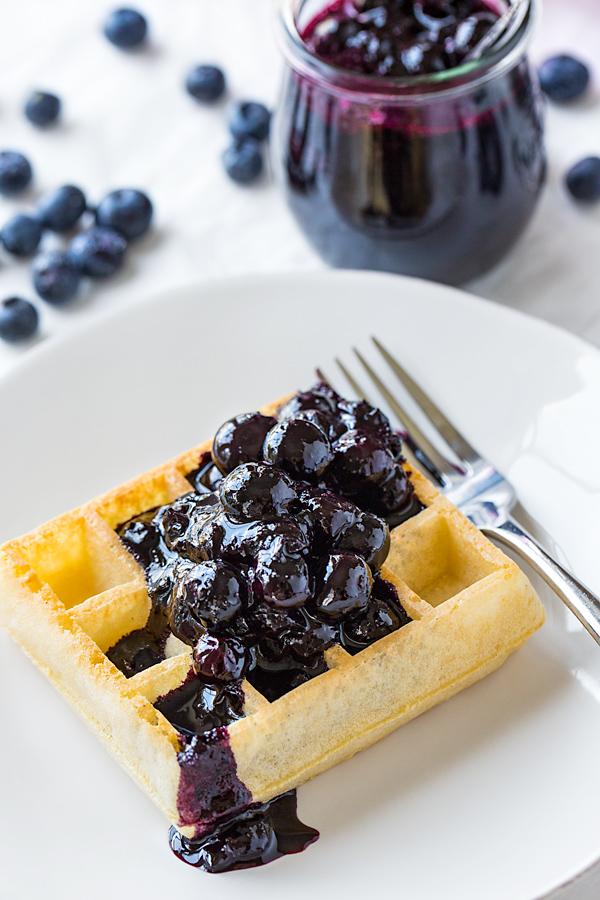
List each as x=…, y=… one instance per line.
x=398, y=39
x=263, y=833
x=270, y=560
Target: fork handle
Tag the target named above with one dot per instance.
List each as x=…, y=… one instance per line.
x=580, y=600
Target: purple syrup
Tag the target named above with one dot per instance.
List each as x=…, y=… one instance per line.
x=391, y=39
x=259, y=835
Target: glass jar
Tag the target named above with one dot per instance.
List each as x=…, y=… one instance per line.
x=434, y=176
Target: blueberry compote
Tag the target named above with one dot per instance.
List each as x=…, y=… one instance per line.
x=395, y=153
x=270, y=560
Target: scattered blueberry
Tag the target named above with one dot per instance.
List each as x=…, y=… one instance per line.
x=126, y=28
x=55, y=276
x=21, y=235
x=18, y=319
x=61, y=209
x=127, y=211
x=15, y=172
x=206, y=83
x=250, y=120
x=98, y=252
x=564, y=78
x=243, y=161
x=583, y=180
x=42, y=109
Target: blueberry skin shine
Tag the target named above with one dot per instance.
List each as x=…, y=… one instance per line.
x=564, y=78
x=59, y=210
x=127, y=211
x=21, y=235
x=56, y=277
x=240, y=440
x=99, y=252
x=299, y=447
x=206, y=83
x=126, y=28
x=42, y=109
x=15, y=172
x=18, y=319
x=583, y=180
x=255, y=490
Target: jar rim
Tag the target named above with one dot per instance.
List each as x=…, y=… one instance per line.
x=411, y=88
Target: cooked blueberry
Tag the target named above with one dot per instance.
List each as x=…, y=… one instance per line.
x=331, y=514
x=127, y=210
x=368, y=536
x=583, y=180
x=255, y=490
x=99, y=252
x=299, y=447
x=240, y=440
x=179, y=515
x=243, y=541
x=61, y=209
x=361, y=459
x=564, y=78
x=331, y=424
x=303, y=401
x=250, y=120
x=377, y=620
x=219, y=659
x=209, y=595
x=243, y=160
x=21, y=235
x=358, y=415
x=56, y=277
x=392, y=493
x=236, y=846
x=206, y=83
x=126, y=28
x=42, y=109
x=141, y=537
x=281, y=576
x=15, y=172
x=18, y=319
x=346, y=586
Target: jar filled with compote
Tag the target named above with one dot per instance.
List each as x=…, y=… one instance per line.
x=395, y=149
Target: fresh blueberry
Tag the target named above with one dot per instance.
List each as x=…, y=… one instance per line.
x=346, y=586
x=127, y=211
x=206, y=83
x=18, y=319
x=56, y=277
x=243, y=160
x=254, y=490
x=564, y=78
x=250, y=120
x=240, y=440
x=99, y=252
x=15, y=172
x=126, y=28
x=583, y=180
x=21, y=235
x=218, y=660
x=59, y=210
x=299, y=447
x=42, y=109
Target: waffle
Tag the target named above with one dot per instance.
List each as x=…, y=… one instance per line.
x=70, y=590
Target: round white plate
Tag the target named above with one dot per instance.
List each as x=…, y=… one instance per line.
x=495, y=794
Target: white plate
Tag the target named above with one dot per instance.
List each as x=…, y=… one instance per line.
x=493, y=795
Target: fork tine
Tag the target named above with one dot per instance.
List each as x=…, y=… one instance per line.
x=441, y=468
x=352, y=381
x=451, y=435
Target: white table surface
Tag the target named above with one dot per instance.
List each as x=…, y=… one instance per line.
x=128, y=122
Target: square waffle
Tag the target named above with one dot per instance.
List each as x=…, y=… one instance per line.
x=70, y=590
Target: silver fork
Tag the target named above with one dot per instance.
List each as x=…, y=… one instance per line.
x=477, y=488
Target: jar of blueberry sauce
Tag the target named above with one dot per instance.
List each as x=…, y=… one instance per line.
x=434, y=175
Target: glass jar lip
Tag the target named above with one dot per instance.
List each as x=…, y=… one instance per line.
x=408, y=89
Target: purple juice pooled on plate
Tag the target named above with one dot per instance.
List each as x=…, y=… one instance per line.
x=396, y=152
